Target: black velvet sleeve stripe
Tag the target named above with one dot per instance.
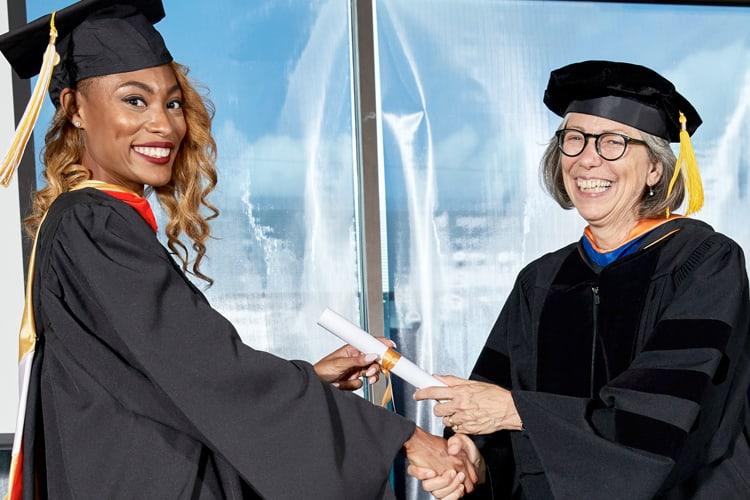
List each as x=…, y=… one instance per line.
x=705, y=360
x=689, y=334
x=646, y=433
x=685, y=384
x=696, y=258
x=492, y=366
x=675, y=411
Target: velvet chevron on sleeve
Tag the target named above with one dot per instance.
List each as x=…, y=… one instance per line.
x=148, y=392
x=631, y=380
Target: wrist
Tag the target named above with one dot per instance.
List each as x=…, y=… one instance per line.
x=417, y=436
x=514, y=419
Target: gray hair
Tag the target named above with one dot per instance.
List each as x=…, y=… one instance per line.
x=659, y=151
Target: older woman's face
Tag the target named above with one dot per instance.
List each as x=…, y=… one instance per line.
x=133, y=126
x=607, y=192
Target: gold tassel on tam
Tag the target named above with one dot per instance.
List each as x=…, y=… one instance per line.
x=31, y=115
x=686, y=159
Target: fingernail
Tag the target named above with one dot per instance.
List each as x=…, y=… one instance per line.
x=371, y=357
x=393, y=344
x=335, y=384
x=461, y=476
x=371, y=371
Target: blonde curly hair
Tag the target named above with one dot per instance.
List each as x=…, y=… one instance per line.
x=184, y=198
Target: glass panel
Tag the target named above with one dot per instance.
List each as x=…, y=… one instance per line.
x=464, y=128
x=279, y=76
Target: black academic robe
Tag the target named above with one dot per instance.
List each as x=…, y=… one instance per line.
x=631, y=380
x=142, y=390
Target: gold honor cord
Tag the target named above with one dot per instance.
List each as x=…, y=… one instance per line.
x=387, y=361
x=31, y=115
x=27, y=334
x=104, y=186
x=27, y=342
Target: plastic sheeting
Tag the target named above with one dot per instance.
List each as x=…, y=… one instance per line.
x=463, y=130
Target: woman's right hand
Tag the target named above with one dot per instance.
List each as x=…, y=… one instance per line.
x=344, y=367
x=449, y=485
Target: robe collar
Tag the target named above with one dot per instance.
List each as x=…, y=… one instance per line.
x=602, y=257
x=136, y=201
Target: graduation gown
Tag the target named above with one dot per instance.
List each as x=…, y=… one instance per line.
x=141, y=390
x=631, y=380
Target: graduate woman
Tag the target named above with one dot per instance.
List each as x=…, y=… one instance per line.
x=134, y=386
x=618, y=368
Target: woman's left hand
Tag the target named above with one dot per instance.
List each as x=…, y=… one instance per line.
x=344, y=367
x=471, y=407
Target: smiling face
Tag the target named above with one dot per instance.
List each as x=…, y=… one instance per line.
x=608, y=193
x=133, y=125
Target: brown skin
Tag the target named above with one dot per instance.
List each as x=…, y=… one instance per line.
x=346, y=365
x=119, y=112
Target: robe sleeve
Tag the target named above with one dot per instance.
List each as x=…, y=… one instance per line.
x=493, y=366
x=286, y=433
x=627, y=442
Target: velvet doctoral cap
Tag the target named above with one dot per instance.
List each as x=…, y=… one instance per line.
x=623, y=92
x=94, y=38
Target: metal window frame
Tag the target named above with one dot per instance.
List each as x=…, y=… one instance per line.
x=368, y=196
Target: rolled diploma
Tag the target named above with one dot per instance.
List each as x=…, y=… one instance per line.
x=366, y=343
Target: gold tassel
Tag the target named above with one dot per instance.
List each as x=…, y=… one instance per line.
x=31, y=115
x=686, y=159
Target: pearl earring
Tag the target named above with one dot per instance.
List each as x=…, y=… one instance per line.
x=77, y=124
x=651, y=190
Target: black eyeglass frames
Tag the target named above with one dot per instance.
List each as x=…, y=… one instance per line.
x=610, y=145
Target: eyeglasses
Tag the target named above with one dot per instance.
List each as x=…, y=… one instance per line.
x=610, y=145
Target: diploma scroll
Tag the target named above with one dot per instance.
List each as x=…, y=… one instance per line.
x=388, y=358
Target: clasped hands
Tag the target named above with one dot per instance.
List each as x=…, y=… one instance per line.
x=449, y=469
x=430, y=457
x=468, y=407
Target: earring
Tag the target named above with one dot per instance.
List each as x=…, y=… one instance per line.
x=77, y=124
x=651, y=190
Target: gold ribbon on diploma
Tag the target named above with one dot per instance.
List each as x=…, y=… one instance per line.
x=387, y=361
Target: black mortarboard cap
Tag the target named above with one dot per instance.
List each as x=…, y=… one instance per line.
x=623, y=92
x=95, y=38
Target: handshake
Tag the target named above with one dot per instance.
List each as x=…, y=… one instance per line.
x=447, y=469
